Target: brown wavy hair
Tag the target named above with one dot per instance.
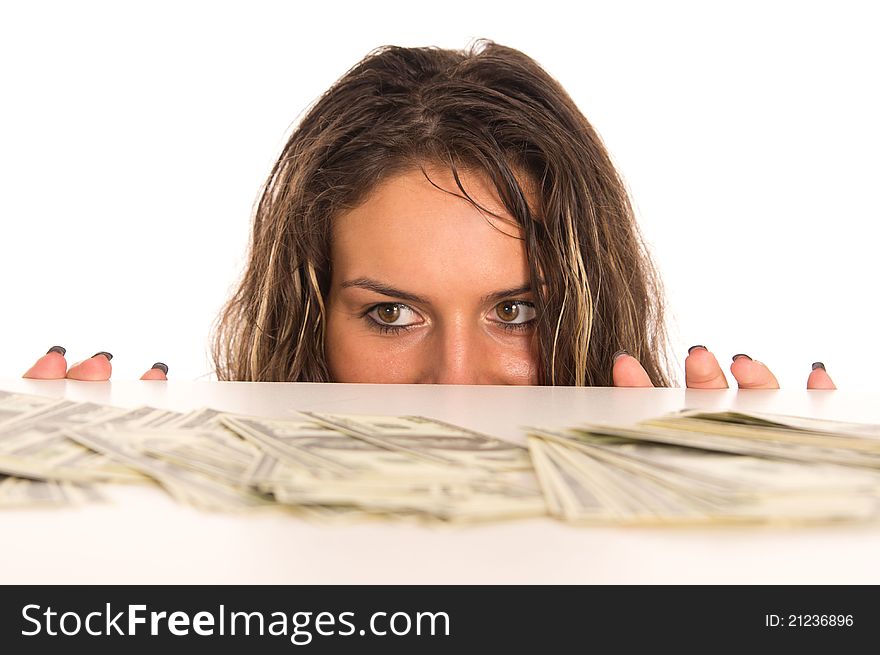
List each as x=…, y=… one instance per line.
x=490, y=108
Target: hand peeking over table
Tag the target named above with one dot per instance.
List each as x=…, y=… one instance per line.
x=97, y=368
x=702, y=371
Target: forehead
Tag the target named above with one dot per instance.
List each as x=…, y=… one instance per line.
x=409, y=232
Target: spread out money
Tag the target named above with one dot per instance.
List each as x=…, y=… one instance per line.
x=323, y=466
x=711, y=467
x=689, y=467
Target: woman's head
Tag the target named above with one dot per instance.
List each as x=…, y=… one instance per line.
x=425, y=288
x=460, y=195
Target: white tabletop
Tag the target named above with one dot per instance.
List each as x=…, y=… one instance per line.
x=143, y=536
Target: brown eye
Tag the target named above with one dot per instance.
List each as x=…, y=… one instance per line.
x=388, y=313
x=507, y=311
x=390, y=317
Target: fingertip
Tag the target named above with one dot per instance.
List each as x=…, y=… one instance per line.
x=159, y=371
x=627, y=371
x=95, y=369
x=51, y=366
x=819, y=378
x=752, y=374
x=702, y=370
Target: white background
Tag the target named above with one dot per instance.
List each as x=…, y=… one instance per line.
x=134, y=139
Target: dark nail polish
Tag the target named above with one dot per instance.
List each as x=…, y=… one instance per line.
x=106, y=354
x=162, y=367
x=735, y=357
x=61, y=350
x=818, y=365
x=695, y=347
x=618, y=354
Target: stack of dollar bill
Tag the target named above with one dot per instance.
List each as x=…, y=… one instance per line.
x=324, y=465
x=711, y=467
x=691, y=467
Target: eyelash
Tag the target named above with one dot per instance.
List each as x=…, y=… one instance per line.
x=397, y=329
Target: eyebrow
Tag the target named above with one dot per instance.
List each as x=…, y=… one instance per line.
x=387, y=290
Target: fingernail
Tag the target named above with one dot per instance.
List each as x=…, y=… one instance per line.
x=61, y=350
x=162, y=367
x=818, y=365
x=737, y=356
x=694, y=347
x=106, y=354
x=618, y=354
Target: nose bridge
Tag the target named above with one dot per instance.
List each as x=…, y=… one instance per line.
x=457, y=353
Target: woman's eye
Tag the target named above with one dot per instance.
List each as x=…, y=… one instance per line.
x=515, y=311
x=393, y=314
